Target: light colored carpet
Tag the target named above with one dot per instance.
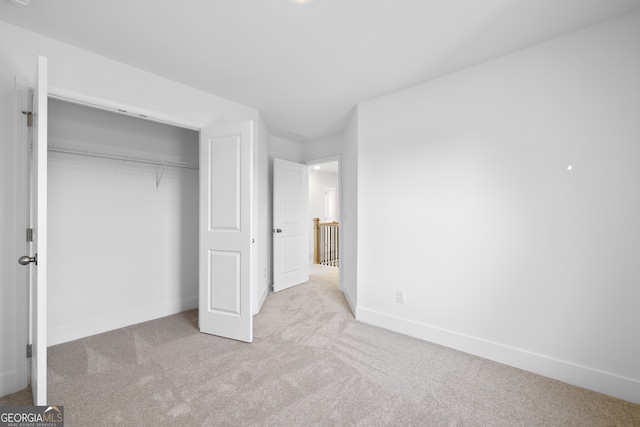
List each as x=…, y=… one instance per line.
x=20, y=398
x=311, y=364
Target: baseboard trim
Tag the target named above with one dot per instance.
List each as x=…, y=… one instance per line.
x=257, y=305
x=119, y=320
x=602, y=382
x=350, y=301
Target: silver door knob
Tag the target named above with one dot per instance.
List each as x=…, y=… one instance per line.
x=26, y=260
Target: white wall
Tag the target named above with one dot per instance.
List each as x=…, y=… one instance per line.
x=501, y=250
x=264, y=218
x=77, y=72
x=284, y=149
x=318, y=181
x=322, y=148
x=87, y=76
x=349, y=213
x=122, y=249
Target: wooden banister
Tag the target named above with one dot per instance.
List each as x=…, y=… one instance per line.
x=316, y=240
x=325, y=246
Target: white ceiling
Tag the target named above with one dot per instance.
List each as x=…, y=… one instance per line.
x=306, y=66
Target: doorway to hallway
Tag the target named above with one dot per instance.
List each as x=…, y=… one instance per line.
x=324, y=219
x=302, y=192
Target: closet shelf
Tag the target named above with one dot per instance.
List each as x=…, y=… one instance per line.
x=115, y=156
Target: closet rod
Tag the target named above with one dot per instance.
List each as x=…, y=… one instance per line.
x=113, y=156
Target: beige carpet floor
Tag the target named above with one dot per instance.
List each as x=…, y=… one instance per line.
x=311, y=364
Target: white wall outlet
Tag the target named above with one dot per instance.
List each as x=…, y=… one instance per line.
x=400, y=296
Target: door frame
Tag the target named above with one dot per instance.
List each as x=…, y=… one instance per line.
x=329, y=159
x=122, y=108
x=21, y=198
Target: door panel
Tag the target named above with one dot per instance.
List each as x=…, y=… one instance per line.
x=38, y=269
x=290, y=206
x=291, y=195
x=290, y=254
x=226, y=171
x=225, y=183
x=225, y=282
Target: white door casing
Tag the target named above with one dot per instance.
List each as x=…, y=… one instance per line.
x=290, y=224
x=226, y=171
x=38, y=208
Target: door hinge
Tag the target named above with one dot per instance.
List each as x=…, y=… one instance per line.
x=29, y=351
x=29, y=118
x=29, y=234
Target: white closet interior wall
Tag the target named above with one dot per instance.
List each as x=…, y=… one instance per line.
x=123, y=244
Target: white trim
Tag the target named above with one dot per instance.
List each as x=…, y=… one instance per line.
x=327, y=159
x=257, y=305
x=602, y=382
x=120, y=108
x=109, y=323
x=350, y=300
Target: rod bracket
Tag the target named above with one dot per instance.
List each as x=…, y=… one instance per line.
x=159, y=177
x=29, y=118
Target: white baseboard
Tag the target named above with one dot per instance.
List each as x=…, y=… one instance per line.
x=257, y=305
x=120, y=320
x=602, y=382
x=350, y=301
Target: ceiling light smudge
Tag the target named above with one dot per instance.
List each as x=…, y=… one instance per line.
x=21, y=2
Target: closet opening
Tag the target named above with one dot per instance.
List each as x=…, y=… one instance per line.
x=123, y=220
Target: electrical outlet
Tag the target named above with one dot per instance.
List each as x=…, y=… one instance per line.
x=400, y=296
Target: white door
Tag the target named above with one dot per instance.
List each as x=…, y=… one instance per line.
x=226, y=170
x=37, y=259
x=329, y=203
x=290, y=224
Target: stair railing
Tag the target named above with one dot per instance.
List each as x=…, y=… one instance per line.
x=325, y=243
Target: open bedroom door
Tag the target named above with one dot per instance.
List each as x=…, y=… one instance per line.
x=290, y=224
x=36, y=260
x=226, y=171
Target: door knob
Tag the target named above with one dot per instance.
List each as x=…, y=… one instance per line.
x=277, y=230
x=26, y=260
